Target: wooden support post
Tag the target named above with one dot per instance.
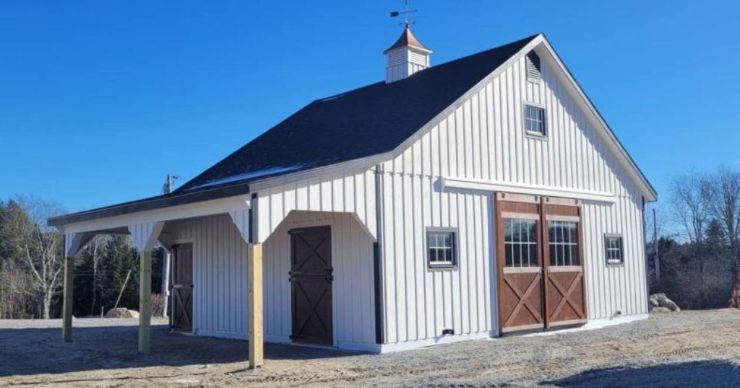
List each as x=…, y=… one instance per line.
x=145, y=300
x=69, y=273
x=256, y=333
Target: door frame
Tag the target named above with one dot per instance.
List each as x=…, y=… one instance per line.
x=542, y=203
x=172, y=278
x=310, y=225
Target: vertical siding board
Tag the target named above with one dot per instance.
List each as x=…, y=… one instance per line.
x=419, y=258
x=409, y=258
x=484, y=145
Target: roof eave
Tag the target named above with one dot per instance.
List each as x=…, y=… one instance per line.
x=152, y=203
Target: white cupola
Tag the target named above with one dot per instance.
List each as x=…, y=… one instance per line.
x=405, y=57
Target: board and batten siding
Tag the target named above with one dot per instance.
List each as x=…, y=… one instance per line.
x=483, y=139
x=219, y=274
x=220, y=277
x=421, y=302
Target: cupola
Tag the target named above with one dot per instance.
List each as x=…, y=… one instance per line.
x=405, y=57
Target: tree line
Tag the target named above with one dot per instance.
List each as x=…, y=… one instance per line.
x=699, y=260
x=32, y=262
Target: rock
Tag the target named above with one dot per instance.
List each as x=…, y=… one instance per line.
x=122, y=312
x=660, y=310
x=670, y=305
x=661, y=300
x=653, y=301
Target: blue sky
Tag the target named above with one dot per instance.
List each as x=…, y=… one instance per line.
x=100, y=100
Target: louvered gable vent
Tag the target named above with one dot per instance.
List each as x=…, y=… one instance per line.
x=533, y=67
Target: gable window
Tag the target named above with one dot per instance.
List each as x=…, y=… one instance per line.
x=534, y=120
x=534, y=69
x=441, y=248
x=614, y=249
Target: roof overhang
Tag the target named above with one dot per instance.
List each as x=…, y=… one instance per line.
x=236, y=190
x=153, y=203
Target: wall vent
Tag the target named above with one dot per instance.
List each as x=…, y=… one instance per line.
x=533, y=67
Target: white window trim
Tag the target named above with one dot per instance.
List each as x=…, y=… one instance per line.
x=612, y=262
x=445, y=265
x=533, y=134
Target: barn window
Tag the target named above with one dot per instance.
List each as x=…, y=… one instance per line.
x=563, y=243
x=614, y=249
x=520, y=242
x=441, y=248
x=534, y=120
x=534, y=69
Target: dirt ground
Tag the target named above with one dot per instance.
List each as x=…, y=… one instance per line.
x=691, y=348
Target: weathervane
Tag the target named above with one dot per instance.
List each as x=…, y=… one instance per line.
x=406, y=11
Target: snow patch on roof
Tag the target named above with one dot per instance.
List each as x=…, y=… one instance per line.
x=248, y=176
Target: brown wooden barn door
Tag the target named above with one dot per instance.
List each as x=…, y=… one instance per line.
x=565, y=296
x=311, y=285
x=521, y=304
x=182, y=288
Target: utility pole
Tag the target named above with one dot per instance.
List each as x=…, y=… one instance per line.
x=168, y=183
x=655, y=246
x=166, y=257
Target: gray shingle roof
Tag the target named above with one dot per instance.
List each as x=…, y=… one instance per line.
x=363, y=122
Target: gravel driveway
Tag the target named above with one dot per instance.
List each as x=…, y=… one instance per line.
x=691, y=348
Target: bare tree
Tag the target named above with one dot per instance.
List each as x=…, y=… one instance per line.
x=40, y=247
x=16, y=301
x=691, y=205
x=96, y=247
x=725, y=207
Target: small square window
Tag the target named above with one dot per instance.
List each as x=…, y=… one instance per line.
x=534, y=120
x=441, y=248
x=614, y=249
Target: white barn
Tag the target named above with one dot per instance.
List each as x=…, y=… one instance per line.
x=465, y=200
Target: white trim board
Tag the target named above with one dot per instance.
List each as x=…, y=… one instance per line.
x=549, y=191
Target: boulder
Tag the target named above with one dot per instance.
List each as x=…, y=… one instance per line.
x=661, y=300
x=122, y=312
x=653, y=299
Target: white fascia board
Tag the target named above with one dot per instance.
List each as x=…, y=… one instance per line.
x=195, y=209
x=547, y=191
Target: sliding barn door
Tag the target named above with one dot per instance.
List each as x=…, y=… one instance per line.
x=521, y=302
x=540, y=262
x=565, y=295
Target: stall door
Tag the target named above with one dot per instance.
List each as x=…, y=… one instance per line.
x=182, y=288
x=521, y=304
x=564, y=286
x=311, y=285
x=540, y=262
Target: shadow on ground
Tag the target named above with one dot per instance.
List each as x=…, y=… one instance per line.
x=712, y=373
x=31, y=351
